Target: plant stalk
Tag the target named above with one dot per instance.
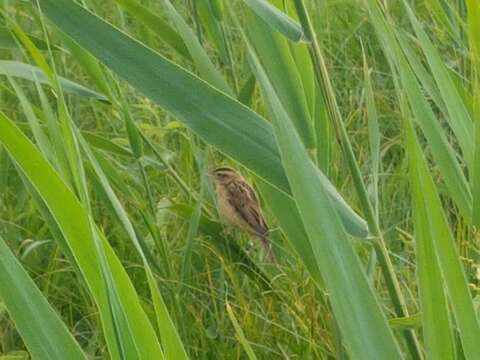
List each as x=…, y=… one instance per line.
x=386, y=265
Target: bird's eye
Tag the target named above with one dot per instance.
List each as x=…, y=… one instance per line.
x=221, y=176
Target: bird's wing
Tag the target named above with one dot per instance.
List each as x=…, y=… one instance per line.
x=244, y=200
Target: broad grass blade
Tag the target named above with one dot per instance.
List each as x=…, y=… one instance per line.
x=279, y=63
x=245, y=94
x=106, y=145
x=202, y=62
x=436, y=236
x=137, y=335
x=458, y=115
x=40, y=137
x=421, y=72
x=373, y=135
x=89, y=64
x=220, y=120
x=172, y=344
x=361, y=321
x=474, y=40
x=218, y=9
x=44, y=333
x=437, y=9
x=437, y=328
x=276, y=19
x=214, y=28
x=33, y=73
x=286, y=213
x=442, y=150
x=8, y=41
x=156, y=24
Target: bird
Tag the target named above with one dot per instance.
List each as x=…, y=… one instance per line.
x=238, y=204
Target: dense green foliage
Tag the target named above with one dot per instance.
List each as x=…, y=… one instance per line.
x=357, y=120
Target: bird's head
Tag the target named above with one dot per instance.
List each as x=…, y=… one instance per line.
x=223, y=175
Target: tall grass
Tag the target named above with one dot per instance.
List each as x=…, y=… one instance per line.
x=356, y=120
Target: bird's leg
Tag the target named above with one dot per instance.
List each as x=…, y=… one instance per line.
x=227, y=231
x=267, y=245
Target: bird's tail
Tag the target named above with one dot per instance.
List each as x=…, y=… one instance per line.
x=267, y=245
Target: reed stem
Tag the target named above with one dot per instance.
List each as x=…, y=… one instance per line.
x=381, y=250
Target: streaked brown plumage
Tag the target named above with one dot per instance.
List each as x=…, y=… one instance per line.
x=238, y=204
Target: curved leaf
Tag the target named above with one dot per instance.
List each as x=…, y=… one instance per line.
x=283, y=74
x=198, y=53
x=442, y=151
x=170, y=339
x=361, y=322
x=458, y=114
x=8, y=41
x=44, y=333
x=81, y=240
x=437, y=328
x=276, y=19
x=156, y=24
x=439, y=238
x=221, y=120
x=33, y=73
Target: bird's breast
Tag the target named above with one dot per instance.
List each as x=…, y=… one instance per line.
x=227, y=211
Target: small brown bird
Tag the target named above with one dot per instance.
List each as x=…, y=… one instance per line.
x=238, y=203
